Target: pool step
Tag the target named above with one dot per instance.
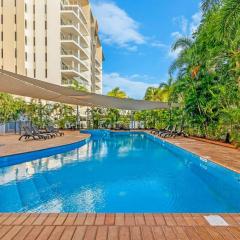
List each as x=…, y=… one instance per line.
x=10, y=200
x=28, y=193
x=43, y=187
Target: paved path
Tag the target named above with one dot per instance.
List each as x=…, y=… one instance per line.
x=9, y=144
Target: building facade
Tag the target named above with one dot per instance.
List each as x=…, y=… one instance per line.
x=52, y=40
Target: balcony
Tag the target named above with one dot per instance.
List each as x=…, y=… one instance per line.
x=97, y=70
x=72, y=42
x=98, y=78
x=69, y=82
x=77, y=10
x=85, y=76
x=84, y=66
x=97, y=62
x=84, y=29
x=84, y=41
x=70, y=71
x=69, y=56
x=70, y=27
x=98, y=86
x=74, y=13
x=69, y=15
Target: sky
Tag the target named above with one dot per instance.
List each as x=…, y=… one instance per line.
x=137, y=36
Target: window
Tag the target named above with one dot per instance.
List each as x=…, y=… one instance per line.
x=45, y=57
x=2, y=36
x=34, y=41
x=46, y=73
x=25, y=23
x=34, y=9
x=45, y=41
x=45, y=9
x=15, y=36
x=26, y=56
x=45, y=25
x=34, y=25
x=26, y=40
x=15, y=53
x=25, y=7
x=34, y=57
x=15, y=19
x=2, y=19
x=15, y=68
x=15, y=3
x=2, y=53
x=34, y=73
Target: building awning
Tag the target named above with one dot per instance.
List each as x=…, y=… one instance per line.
x=29, y=87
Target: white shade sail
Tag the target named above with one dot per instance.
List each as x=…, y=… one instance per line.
x=24, y=86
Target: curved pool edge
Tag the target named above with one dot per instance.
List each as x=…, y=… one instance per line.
x=10, y=159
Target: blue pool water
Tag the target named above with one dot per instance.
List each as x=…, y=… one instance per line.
x=116, y=172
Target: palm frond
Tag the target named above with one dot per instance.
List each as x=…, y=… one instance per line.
x=208, y=5
x=182, y=43
x=229, y=21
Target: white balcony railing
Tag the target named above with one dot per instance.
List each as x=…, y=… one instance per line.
x=66, y=67
x=85, y=76
x=70, y=37
x=70, y=23
x=70, y=53
x=77, y=10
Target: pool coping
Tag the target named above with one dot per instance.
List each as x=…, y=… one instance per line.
x=198, y=155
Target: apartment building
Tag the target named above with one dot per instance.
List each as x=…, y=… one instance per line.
x=52, y=40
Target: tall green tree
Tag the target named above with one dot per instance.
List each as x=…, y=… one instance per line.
x=207, y=72
x=117, y=92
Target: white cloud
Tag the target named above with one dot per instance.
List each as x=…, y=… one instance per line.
x=158, y=44
x=116, y=26
x=182, y=23
x=186, y=29
x=196, y=20
x=134, y=89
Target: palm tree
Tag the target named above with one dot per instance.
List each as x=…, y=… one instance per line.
x=229, y=17
x=153, y=94
x=113, y=115
x=166, y=88
x=208, y=5
x=229, y=21
x=117, y=92
x=184, y=57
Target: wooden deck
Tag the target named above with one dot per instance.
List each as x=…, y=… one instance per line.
x=116, y=226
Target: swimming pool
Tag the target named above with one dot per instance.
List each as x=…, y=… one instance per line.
x=117, y=172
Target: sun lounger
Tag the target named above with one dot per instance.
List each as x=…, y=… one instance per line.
x=168, y=130
x=56, y=131
x=176, y=133
x=36, y=131
x=29, y=134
